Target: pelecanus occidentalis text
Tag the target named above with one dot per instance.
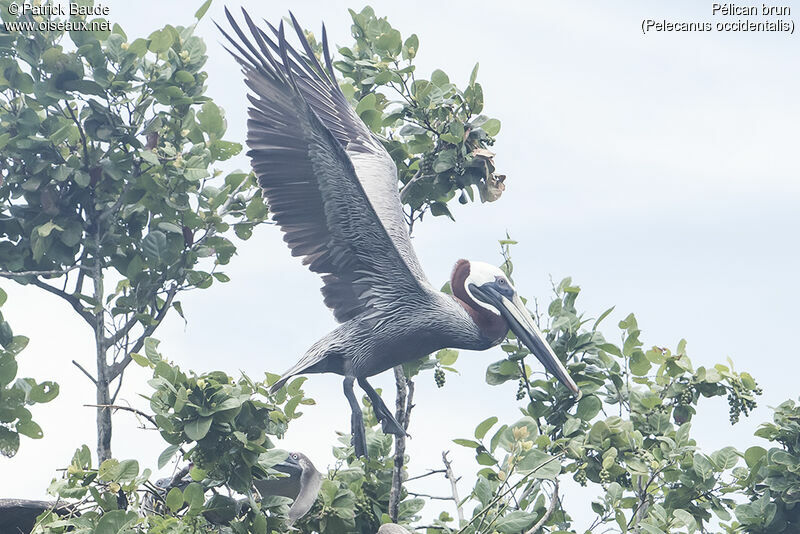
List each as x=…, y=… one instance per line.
x=333, y=190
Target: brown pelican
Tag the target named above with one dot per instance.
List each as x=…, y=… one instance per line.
x=333, y=190
x=302, y=484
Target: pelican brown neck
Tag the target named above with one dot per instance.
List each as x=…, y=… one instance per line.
x=492, y=326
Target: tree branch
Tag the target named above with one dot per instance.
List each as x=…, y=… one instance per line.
x=116, y=369
x=84, y=142
x=122, y=332
x=79, y=366
x=416, y=178
x=57, y=272
x=429, y=473
x=399, y=443
x=495, y=501
x=72, y=300
x=448, y=468
x=430, y=496
x=550, y=509
x=124, y=408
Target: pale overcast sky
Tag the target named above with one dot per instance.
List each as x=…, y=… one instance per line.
x=661, y=172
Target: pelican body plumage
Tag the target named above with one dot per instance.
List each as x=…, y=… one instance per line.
x=333, y=190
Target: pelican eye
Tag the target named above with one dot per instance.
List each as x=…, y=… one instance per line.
x=295, y=457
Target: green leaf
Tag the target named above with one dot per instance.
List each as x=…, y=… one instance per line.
x=154, y=246
x=639, y=364
x=588, y=407
x=150, y=157
x=539, y=465
x=484, y=426
x=30, y=429
x=447, y=356
x=650, y=529
x=114, y=522
x=702, y=466
x=411, y=46
x=194, y=495
x=467, y=443
x=151, y=349
x=211, y=119
x=440, y=208
x=725, y=458
x=439, y=78
x=686, y=518
x=220, y=509
x=202, y=11
x=502, y=371
x=514, y=522
x=45, y=229
x=491, y=127
x=197, y=474
x=753, y=455
x=197, y=429
x=87, y=87
x=8, y=369
x=175, y=499
x=390, y=41
x=140, y=360
x=272, y=458
x=126, y=471
x=167, y=455
x=9, y=442
x=474, y=74
x=160, y=41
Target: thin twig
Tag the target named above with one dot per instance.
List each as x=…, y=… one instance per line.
x=58, y=272
x=72, y=300
x=430, y=496
x=509, y=490
x=429, y=473
x=124, y=408
x=550, y=509
x=79, y=366
x=416, y=178
x=494, y=501
x=409, y=403
x=117, y=368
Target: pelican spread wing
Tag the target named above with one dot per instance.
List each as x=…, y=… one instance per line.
x=330, y=184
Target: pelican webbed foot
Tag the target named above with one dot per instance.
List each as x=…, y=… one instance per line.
x=389, y=424
x=356, y=419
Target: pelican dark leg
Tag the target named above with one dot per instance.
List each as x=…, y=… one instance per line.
x=356, y=419
x=388, y=423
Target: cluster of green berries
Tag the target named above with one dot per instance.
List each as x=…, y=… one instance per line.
x=580, y=476
x=521, y=389
x=327, y=511
x=605, y=476
x=739, y=404
x=661, y=408
x=686, y=397
x=364, y=508
x=438, y=376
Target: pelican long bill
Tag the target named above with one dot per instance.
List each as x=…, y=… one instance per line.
x=520, y=322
